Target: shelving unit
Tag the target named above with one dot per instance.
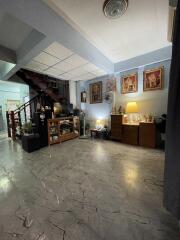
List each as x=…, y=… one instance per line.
x=63, y=129
x=53, y=131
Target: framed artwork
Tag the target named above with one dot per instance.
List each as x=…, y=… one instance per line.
x=111, y=85
x=12, y=105
x=83, y=96
x=96, y=92
x=153, y=79
x=129, y=83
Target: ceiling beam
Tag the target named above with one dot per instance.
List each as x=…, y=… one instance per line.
x=39, y=16
x=145, y=59
x=7, y=55
x=35, y=43
x=31, y=47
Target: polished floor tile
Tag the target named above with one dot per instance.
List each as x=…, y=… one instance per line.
x=83, y=190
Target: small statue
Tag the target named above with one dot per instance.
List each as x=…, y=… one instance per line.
x=150, y=118
x=120, y=110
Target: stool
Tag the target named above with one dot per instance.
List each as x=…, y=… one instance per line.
x=31, y=143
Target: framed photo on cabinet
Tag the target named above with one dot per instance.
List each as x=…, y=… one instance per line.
x=153, y=79
x=95, y=92
x=129, y=83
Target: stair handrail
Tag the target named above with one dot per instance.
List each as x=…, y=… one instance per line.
x=24, y=105
x=26, y=74
x=12, y=115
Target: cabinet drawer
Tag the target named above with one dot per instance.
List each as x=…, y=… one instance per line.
x=115, y=125
x=116, y=119
x=130, y=134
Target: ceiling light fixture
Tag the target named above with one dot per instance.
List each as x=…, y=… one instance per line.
x=115, y=8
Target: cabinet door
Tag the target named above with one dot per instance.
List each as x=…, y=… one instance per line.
x=116, y=133
x=116, y=127
x=130, y=134
x=147, y=135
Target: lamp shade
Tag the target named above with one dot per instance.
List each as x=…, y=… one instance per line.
x=57, y=108
x=131, y=107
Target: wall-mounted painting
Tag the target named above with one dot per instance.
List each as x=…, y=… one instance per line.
x=83, y=96
x=111, y=85
x=129, y=83
x=96, y=92
x=153, y=79
x=12, y=105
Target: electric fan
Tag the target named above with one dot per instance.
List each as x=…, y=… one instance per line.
x=84, y=136
x=108, y=97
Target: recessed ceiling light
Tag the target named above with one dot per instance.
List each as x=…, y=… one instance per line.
x=115, y=8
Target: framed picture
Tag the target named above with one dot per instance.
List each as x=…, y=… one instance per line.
x=12, y=105
x=129, y=83
x=83, y=96
x=153, y=79
x=111, y=85
x=96, y=92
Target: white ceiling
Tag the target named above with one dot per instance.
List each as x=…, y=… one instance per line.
x=60, y=62
x=13, y=32
x=142, y=29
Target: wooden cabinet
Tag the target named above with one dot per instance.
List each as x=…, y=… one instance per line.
x=147, y=135
x=116, y=127
x=143, y=134
x=53, y=131
x=130, y=134
x=63, y=129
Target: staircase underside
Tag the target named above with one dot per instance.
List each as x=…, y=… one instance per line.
x=47, y=91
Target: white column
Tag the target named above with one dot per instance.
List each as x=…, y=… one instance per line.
x=72, y=92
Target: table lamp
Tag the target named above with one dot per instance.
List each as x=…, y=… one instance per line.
x=98, y=123
x=57, y=108
x=132, y=108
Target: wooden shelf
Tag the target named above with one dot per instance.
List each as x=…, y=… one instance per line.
x=68, y=136
x=56, y=124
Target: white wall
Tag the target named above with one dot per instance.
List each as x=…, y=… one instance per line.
x=154, y=102
x=11, y=91
x=72, y=92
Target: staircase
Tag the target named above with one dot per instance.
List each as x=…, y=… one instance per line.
x=48, y=91
x=40, y=82
x=23, y=114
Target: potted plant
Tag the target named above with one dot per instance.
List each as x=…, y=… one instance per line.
x=27, y=128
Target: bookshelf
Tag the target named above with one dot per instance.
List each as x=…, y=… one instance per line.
x=63, y=129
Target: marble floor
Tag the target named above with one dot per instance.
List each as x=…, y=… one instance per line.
x=3, y=135
x=83, y=190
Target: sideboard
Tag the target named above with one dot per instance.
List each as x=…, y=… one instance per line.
x=142, y=134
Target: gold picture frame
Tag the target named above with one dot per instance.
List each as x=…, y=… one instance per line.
x=153, y=79
x=111, y=85
x=129, y=83
x=95, y=92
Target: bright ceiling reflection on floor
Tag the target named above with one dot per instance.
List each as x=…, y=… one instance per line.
x=4, y=185
x=131, y=176
x=101, y=155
